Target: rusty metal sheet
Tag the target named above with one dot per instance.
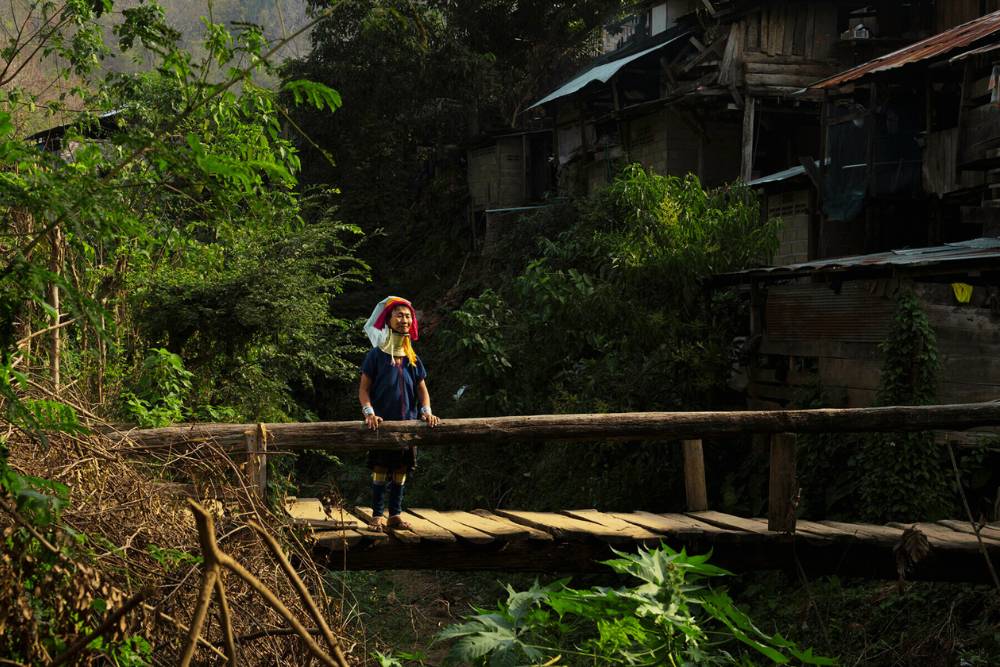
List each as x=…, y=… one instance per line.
x=984, y=249
x=936, y=45
x=817, y=312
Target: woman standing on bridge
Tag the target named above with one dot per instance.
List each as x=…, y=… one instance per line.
x=392, y=387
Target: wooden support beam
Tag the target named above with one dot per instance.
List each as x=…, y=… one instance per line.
x=783, y=490
x=352, y=435
x=746, y=163
x=694, y=476
x=853, y=554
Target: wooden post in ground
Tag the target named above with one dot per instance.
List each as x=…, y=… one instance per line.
x=783, y=489
x=256, y=469
x=694, y=476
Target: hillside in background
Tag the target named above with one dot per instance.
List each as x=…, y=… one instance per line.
x=278, y=18
x=42, y=77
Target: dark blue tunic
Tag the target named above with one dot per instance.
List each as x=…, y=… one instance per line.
x=393, y=394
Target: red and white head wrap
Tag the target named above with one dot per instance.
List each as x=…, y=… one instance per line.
x=377, y=325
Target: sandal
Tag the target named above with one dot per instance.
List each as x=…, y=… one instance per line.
x=397, y=523
x=377, y=524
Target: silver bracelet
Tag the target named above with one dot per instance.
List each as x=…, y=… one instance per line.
x=425, y=409
x=367, y=410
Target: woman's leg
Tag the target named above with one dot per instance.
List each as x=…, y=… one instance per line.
x=380, y=479
x=396, y=492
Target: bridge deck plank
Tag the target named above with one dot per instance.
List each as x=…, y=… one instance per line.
x=564, y=527
x=520, y=547
x=868, y=532
x=989, y=533
x=942, y=536
x=451, y=522
x=405, y=536
x=309, y=511
x=719, y=533
x=729, y=521
x=508, y=527
x=822, y=530
x=611, y=522
x=339, y=540
x=658, y=523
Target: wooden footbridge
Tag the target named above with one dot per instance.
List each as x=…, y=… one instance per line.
x=575, y=540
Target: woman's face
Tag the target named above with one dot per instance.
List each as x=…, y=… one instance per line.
x=400, y=320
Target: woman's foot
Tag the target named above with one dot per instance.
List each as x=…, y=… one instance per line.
x=397, y=523
x=377, y=524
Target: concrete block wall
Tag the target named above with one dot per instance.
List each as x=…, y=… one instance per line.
x=793, y=238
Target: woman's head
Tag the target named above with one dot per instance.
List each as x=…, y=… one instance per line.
x=391, y=314
x=401, y=319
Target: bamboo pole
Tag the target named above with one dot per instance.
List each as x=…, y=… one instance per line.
x=352, y=435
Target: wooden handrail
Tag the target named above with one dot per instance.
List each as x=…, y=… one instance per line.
x=690, y=427
x=347, y=436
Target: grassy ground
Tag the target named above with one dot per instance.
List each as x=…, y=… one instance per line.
x=400, y=611
x=879, y=623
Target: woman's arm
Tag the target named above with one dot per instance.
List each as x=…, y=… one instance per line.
x=372, y=420
x=424, y=399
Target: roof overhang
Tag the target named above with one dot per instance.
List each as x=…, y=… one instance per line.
x=601, y=73
x=982, y=254
x=934, y=46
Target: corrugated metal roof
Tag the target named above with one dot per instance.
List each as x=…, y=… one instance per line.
x=600, y=73
x=936, y=45
x=984, y=248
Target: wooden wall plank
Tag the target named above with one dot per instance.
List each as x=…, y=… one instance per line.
x=788, y=13
x=801, y=13
x=777, y=26
x=825, y=29
x=752, y=37
x=810, y=29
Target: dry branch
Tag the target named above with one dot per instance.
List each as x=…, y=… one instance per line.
x=215, y=560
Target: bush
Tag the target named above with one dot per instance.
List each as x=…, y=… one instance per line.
x=671, y=616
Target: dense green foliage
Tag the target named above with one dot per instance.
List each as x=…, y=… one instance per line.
x=161, y=236
x=174, y=222
x=599, y=305
x=887, y=476
x=672, y=615
x=419, y=80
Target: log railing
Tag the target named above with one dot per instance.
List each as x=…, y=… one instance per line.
x=258, y=440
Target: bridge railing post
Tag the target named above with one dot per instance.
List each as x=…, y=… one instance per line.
x=256, y=468
x=694, y=476
x=783, y=487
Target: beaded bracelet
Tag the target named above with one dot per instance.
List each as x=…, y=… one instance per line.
x=367, y=410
